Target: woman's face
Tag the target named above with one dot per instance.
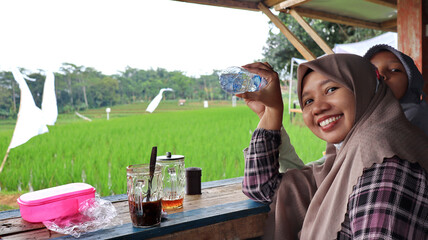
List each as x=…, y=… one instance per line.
x=328, y=107
x=393, y=72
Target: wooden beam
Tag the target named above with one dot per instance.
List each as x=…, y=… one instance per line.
x=390, y=25
x=271, y=3
x=296, y=110
x=386, y=3
x=245, y=5
x=412, y=21
x=289, y=4
x=393, y=29
x=306, y=53
x=321, y=43
x=305, y=12
x=251, y=227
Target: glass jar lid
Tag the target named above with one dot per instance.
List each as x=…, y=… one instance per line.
x=169, y=157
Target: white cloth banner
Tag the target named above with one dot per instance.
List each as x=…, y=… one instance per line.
x=49, y=106
x=30, y=118
x=155, y=102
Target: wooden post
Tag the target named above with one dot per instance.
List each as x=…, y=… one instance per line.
x=412, y=24
x=306, y=53
x=321, y=43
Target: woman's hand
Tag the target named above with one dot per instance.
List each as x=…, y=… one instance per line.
x=267, y=102
x=257, y=107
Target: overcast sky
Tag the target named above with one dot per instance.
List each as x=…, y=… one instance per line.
x=110, y=35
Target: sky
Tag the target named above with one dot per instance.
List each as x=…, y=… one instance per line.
x=145, y=34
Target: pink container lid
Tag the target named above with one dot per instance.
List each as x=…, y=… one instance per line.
x=54, y=194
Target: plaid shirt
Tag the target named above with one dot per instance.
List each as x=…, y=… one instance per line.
x=261, y=175
x=389, y=201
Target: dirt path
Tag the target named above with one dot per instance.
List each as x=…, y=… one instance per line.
x=10, y=200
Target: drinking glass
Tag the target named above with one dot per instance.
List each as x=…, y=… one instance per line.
x=145, y=207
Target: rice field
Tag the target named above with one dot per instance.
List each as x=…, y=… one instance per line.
x=97, y=152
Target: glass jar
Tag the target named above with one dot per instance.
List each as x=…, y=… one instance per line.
x=145, y=207
x=173, y=173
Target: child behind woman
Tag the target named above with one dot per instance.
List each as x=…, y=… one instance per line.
x=406, y=82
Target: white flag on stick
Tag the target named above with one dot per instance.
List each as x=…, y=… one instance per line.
x=30, y=120
x=155, y=102
x=49, y=106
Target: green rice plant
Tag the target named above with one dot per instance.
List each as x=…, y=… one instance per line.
x=99, y=151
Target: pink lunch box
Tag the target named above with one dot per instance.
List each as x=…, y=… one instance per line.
x=55, y=202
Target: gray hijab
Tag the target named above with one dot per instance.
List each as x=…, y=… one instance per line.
x=413, y=102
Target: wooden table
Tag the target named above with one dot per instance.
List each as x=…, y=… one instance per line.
x=222, y=211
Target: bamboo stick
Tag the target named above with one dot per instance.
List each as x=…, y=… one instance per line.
x=4, y=159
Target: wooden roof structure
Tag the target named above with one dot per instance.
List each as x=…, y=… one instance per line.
x=409, y=18
x=375, y=14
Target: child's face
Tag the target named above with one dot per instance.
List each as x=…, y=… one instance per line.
x=393, y=71
x=328, y=107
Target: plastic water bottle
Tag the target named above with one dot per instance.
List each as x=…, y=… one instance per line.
x=238, y=80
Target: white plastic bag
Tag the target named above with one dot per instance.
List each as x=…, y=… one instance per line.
x=94, y=214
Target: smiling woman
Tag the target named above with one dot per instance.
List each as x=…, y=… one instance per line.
x=359, y=191
x=328, y=107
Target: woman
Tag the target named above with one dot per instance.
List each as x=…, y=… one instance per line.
x=373, y=187
x=406, y=82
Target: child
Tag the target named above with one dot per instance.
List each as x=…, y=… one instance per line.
x=403, y=77
x=374, y=187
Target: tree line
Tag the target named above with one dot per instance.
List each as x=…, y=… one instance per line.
x=78, y=88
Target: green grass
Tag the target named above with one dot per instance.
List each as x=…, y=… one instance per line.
x=5, y=207
x=98, y=152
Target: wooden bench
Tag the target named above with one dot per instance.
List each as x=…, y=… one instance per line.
x=298, y=110
x=181, y=102
x=222, y=211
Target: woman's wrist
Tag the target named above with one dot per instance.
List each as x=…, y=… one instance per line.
x=260, y=114
x=272, y=119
